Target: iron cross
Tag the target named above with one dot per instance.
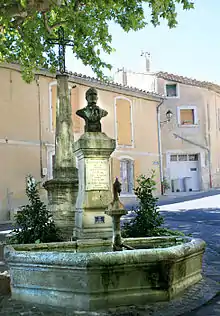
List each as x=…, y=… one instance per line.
x=62, y=42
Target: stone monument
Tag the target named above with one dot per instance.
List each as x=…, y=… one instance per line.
x=63, y=188
x=93, y=150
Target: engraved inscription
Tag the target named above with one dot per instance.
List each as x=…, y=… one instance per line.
x=99, y=219
x=97, y=174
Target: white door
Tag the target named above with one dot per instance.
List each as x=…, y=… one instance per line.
x=183, y=166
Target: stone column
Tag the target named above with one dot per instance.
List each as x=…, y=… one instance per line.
x=93, y=151
x=63, y=188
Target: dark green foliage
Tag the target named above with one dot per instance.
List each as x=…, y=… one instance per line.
x=34, y=222
x=148, y=221
x=165, y=184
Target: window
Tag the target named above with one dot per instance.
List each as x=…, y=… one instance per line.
x=171, y=90
x=193, y=157
x=173, y=158
x=187, y=115
x=52, y=103
x=182, y=157
x=74, y=99
x=124, y=127
x=127, y=176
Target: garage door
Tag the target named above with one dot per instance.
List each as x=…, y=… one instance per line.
x=186, y=168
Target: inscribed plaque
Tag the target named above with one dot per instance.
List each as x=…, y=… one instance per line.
x=97, y=174
x=99, y=219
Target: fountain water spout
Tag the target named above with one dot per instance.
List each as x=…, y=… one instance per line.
x=116, y=210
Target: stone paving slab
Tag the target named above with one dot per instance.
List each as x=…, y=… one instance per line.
x=212, y=308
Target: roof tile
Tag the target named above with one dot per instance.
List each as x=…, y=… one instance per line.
x=188, y=81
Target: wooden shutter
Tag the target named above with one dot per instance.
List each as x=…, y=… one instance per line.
x=187, y=117
x=53, y=105
x=75, y=107
x=131, y=178
x=123, y=117
x=115, y=168
x=137, y=171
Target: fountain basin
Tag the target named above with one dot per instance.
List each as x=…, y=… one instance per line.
x=86, y=275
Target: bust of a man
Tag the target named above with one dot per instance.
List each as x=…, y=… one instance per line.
x=92, y=114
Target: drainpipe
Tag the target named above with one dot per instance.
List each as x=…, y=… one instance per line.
x=210, y=169
x=209, y=143
x=160, y=147
x=40, y=125
x=203, y=147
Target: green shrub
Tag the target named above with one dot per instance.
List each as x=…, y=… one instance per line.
x=34, y=223
x=165, y=184
x=147, y=221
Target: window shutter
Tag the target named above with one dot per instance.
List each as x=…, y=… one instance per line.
x=131, y=177
x=53, y=105
x=137, y=171
x=187, y=116
x=116, y=169
x=75, y=107
x=123, y=117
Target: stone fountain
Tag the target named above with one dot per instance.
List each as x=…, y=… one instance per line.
x=95, y=273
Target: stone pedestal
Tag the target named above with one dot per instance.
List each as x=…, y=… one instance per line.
x=116, y=210
x=62, y=195
x=93, y=151
x=62, y=189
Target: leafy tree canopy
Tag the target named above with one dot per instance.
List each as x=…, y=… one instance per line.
x=25, y=26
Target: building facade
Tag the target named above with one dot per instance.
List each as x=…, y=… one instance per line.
x=27, y=130
x=190, y=141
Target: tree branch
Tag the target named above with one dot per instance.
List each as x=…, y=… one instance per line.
x=13, y=8
x=52, y=27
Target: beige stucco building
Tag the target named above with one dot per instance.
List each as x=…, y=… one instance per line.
x=190, y=142
x=27, y=130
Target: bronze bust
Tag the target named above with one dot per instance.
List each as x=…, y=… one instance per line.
x=92, y=114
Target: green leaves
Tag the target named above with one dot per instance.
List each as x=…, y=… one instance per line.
x=34, y=222
x=147, y=221
x=26, y=25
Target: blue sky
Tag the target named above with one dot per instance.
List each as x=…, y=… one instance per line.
x=191, y=49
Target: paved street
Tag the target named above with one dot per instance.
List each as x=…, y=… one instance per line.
x=199, y=217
